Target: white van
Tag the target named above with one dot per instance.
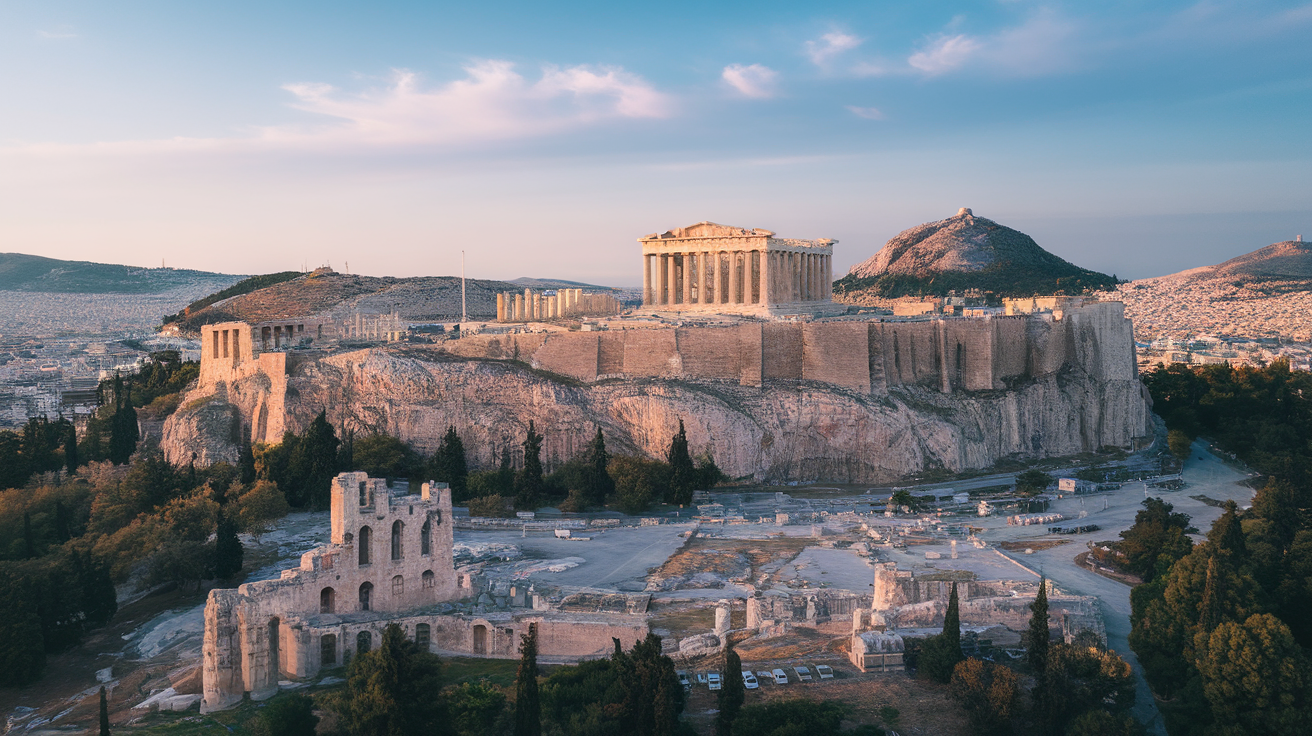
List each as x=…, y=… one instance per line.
x=780, y=678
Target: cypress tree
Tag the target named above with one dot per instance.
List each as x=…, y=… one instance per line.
x=528, y=483
x=1212, y=610
x=1036, y=639
x=104, y=712
x=528, y=711
x=952, y=622
x=228, y=551
x=600, y=484
x=29, y=541
x=682, y=473
x=1227, y=534
x=71, y=460
x=22, y=642
x=732, y=693
x=449, y=464
x=61, y=523
x=123, y=430
x=313, y=464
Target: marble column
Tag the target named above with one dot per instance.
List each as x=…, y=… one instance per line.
x=765, y=277
x=685, y=260
x=501, y=307
x=660, y=279
x=717, y=268
x=672, y=278
x=829, y=278
x=646, y=278
x=733, y=277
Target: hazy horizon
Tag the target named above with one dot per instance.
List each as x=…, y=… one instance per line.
x=244, y=138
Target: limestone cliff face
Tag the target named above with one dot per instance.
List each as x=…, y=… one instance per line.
x=778, y=431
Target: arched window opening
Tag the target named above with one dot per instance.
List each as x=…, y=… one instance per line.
x=426, y=538
x=274, y=625
x=327, y=600
x=423, y=636
x=328, y=650
x=428, y=579
x=366, y=592
x=366, y=536
x=364, y=641
x=364, y=494
x=398, y=587
x=480, y=639
x=397, y=528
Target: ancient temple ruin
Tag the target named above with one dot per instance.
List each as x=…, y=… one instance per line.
x=717, y=268
x=389, y=561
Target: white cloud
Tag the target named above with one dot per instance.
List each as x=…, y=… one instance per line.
x=869, y=113
x=57, y=34
x=751, y=81
x=492, y=102
x=944, y=54
x=823, y=50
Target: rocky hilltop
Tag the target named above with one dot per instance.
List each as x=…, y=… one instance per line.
x=842, y=400
x=960, y=253
x=325, y=292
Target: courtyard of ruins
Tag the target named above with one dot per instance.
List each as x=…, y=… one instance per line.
x=784, y=546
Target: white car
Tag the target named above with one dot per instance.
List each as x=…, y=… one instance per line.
x=701, y=678
x=683, y=679
x=803, y=673
x=713, y=679
x=749, y=680
x=780, y=678
x=825, y=671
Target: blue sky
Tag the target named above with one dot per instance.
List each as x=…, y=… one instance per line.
x=543, y=139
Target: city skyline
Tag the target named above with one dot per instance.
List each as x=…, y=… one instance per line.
x=247, y=139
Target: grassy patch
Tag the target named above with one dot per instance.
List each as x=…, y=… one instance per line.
x=473, y=669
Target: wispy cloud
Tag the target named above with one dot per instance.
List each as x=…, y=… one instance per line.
x=869, y=113
x=57, y=34
x=823, y=50
x=493, y=101
x=944, y=54
x=755, y=81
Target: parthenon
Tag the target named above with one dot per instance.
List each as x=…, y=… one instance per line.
x=717, y=268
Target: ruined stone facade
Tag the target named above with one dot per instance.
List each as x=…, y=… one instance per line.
x=389, y=561
x=731, y=270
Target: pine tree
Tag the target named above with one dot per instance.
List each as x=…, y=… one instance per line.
x=528, y=710
x=104, y=712
x=1227, y=534
x=528, y=483
x=1036, y=639
x=228, y=551
x=732, y=693
x=682, y=473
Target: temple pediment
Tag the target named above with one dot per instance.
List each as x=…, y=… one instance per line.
x=706, y=229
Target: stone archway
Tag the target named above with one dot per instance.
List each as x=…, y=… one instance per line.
x=480, y=639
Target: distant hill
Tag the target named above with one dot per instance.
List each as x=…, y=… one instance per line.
x=531, y=283
x=337, y=295
x=22, y=272
x=1288, y=260
x=961, y=253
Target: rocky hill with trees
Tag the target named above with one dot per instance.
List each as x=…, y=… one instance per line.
x=964, y=253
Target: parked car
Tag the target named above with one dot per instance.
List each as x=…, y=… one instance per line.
x=803, y=674
x=683, y=679
x=749, y=680
x=825, y=671
x=780, y=678
x=713, y=679
x=764, y=676
x=701, y=678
